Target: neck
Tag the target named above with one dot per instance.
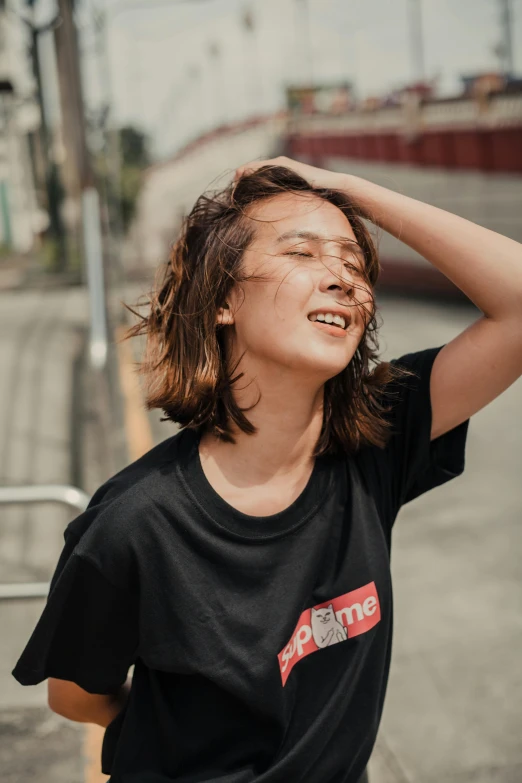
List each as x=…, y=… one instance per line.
x=288, y=423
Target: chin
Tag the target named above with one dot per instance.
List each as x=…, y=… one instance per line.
x=322, y=366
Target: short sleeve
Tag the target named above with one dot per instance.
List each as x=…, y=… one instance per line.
x=411, y=464
x=417, y=464
x=87, y=633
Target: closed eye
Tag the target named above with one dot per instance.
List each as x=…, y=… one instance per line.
x=355, y=269
x=347, y=265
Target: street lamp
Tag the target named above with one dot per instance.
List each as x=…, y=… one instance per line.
x=249, y=26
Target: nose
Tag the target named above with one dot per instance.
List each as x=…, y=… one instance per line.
x=337, y=276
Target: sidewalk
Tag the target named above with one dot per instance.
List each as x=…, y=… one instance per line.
x=41, y=335
x=56, y=426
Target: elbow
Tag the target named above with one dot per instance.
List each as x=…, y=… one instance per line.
x=58, y=709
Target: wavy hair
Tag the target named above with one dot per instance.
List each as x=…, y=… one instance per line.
x=185, y=362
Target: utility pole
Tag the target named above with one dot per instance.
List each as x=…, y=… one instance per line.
x=416, y=39
x=220, y=88
x=252, y=54
x=306, y=44
x=6, y=94
x=71, y=97
x=82, y=175
x=505, y=48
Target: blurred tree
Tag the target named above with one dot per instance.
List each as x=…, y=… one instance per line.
x=134, y=158
x=134, y=147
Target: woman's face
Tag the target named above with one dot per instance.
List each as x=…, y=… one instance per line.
x=306, y=253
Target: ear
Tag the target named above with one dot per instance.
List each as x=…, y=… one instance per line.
x=224, y=315
x=314, y=610
x=330, y=607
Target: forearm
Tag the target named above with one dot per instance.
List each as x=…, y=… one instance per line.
x=75, y=704
x=101, y=711
x=485, y=265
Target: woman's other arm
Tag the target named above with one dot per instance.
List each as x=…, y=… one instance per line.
x=70, y=701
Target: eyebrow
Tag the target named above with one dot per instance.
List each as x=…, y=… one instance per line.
x=345, y=242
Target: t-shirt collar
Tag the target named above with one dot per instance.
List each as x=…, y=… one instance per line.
x=229, y=518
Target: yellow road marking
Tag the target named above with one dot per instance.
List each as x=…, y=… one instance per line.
x=139, y=441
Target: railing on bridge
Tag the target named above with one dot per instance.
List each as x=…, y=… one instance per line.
x=467, y=113
x=467, y=134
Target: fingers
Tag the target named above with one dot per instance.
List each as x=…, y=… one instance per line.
x=241, y=171
x=249, y=168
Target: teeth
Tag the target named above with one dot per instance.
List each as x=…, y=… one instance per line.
x=329, y=318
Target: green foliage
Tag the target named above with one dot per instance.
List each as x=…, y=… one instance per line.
x=50, y=255
x=131, y=177
x=134, y=147
x=134, y=158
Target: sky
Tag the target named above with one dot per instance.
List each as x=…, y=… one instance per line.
x=179, y=68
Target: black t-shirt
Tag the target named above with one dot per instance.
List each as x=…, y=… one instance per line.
x=261, y=645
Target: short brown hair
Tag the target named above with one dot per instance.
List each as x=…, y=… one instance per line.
x=185, y=362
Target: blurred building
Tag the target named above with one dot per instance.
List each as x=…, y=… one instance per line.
x=320, y=99
x=171, y=187
x=20, y=218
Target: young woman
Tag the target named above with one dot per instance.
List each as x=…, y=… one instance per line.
x=242, y=565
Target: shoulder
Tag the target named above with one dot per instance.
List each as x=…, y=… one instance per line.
x=404, y=403
x=110, y=528
x=408, y=387
x=417, y=364
x=412, y=462
x=142, y=470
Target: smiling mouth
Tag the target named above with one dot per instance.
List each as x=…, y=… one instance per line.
x=336, y=328
x=332, y=329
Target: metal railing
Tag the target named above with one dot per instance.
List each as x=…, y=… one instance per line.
x=39, y=493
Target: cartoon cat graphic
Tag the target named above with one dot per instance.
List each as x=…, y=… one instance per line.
x=326, y=628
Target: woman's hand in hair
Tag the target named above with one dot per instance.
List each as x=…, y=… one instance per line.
x=318, y=178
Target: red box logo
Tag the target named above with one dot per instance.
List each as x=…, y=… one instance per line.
x=329, y=623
